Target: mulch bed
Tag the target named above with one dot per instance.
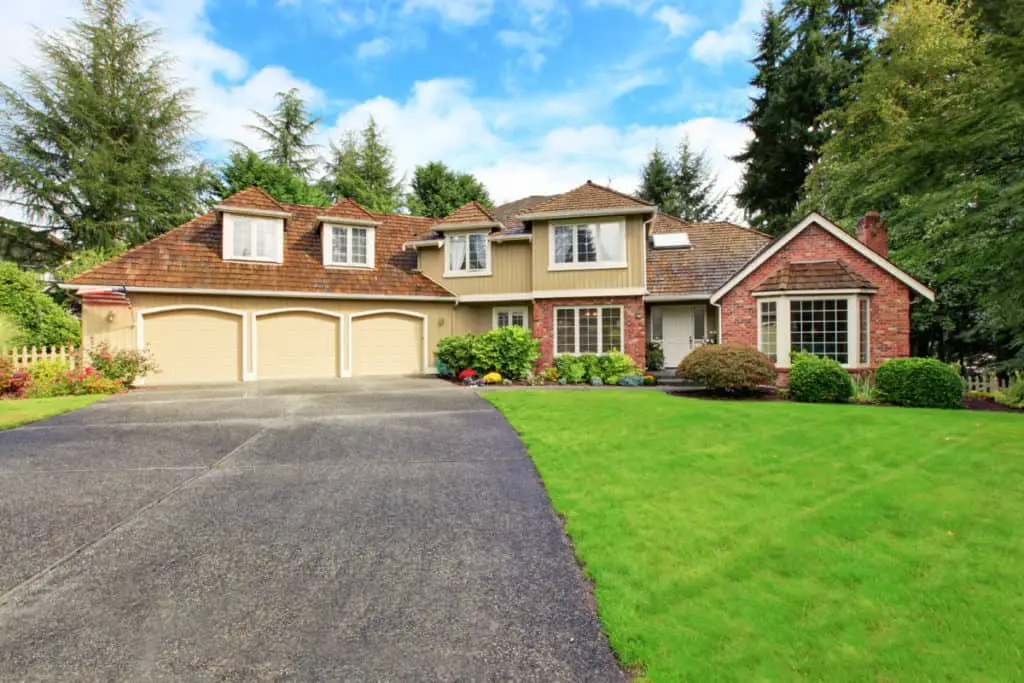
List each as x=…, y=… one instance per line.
x=987, y=404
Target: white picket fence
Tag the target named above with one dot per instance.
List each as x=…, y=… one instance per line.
x=987, y=383
x=27, y=355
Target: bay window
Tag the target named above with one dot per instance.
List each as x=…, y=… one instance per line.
x=467, y=254
x=588, y=329
x=251, y=238
x=821, y=327
x=348, y=246
x=836, y=327
x=588, y=245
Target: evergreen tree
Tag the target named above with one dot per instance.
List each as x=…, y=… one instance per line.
x=694, y=186
x=287, y=132
x=93, y=143
x=244, y=168
x=363, y=168
x=657, y=182
x=437, y=190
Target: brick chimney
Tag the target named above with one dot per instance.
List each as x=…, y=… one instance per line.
x=873, y=233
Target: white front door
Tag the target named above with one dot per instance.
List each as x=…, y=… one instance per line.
x=677, y=338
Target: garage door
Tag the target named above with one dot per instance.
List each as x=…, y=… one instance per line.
x=297, y=345
x=387, y=344
x=194, y=346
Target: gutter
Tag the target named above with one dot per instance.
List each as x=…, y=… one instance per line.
x=267, y=293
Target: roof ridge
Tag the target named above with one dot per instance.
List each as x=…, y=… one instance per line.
x=252, y=188
x=621, y=194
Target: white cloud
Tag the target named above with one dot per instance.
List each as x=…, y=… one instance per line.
x=17, y=37
x=678, y=23
x=732, y=42
x=465, y=12
x=371, y=49
x=531, y=45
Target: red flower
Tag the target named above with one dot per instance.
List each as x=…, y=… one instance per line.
x=467, y=373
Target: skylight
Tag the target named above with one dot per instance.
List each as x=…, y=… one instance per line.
x=672, y=240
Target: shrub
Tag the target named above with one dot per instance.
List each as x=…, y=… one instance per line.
x=49, y=378
x=468, y=373
x=919, y=382
x=39, y=319
x=1013, y=396
x=549, y=375
x=591, y=365
x=511, y=351
x=864, y=389
x=6, y=371
x=570, y=368
x=813, y=379
x=616, y=364
x=492, y=378
x=655, y=356
x=631, y=381
x=650, y=380
x=596, y=381
x=727, y=367
x=124, y=364
x=455, y=352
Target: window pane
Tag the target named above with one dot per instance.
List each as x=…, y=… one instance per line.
x=820, y=327
x=698, y=323
x=358, y=245
x=457, y=253
x=242, y=236
x=565, y=330
x=518, y=319
x=611, y=330
x=586, y=249
x=865, y=331
x=563, y=244
x=589, y=331
x=478, y=252
x=266, y=239
x=769, y=330
x=609, y=243
x=339, y=245
x=502, y=318
x=656, y=322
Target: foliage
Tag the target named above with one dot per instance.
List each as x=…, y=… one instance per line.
x=9, y=331
x=16, y=413
x=793, y=514
x=492, y=378
x=286, y=132
x=617, y=364
x=630, y=381
x=245, y=168
x=813, y=379
x=94, y=142
x=609, y=368
x=50, y=378
x=864, y=389
x=80, y=261
x=550, y=375
x=728, y=367
x=437, y=190
x=1013, y=395
x=570, y=368
x=511, y=351
x=684, y=186
x=650, y=380
x=920, y=382
x=126, y=365
x=456, y=352
x=40, y=320
x=596, y=381
x=655, y=356
x=466, y=374
x=363, y=168
x=6, y=372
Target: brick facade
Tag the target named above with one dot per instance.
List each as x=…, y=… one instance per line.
x=890, y=306
x=634, y=323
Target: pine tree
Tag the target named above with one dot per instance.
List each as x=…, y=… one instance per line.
x=437, y=190
x=694, y=186
x=94, y=142
x=287, y=133
x=657, y=182
x=363, y=168
x=244, y=168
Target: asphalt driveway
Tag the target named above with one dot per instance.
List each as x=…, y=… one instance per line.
x=385, y=530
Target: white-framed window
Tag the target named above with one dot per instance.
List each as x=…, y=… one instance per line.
x=511, y=317
x=588, y=329
x=865, y=331
x=467, y=254
x=768, y=330
x=587, y=245
x=253, y=238
x=821, y=327
x=348, y=245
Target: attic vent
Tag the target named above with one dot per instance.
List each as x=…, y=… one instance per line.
x=672, y=240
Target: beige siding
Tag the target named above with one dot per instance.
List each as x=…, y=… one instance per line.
x=114, y=325
x=194, y=346
x=296, y=345
x=387, y=344
x=632, y=276
x=510, y=270
x=477, y=318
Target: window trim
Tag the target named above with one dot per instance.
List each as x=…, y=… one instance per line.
x=864, y=331
x=588, y=265
x=485, y=272
x=228, y=239
x=784, y=322
x=600, y=327
x=510, y=310
x=327, y=241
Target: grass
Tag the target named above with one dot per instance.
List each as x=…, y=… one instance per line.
x=745, y=541
x=14, y=413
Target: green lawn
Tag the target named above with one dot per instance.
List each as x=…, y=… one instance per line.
x=15, y=413
x=775, y=541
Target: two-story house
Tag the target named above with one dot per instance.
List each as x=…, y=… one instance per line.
x=260, y=290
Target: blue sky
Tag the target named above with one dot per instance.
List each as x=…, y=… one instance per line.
x=533, y=96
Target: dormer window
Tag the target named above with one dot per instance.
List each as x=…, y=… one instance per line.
x=348, y=245
x=467, y=254
x=253, y=238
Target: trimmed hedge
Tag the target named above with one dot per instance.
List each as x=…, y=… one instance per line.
x=919, y=382
x=813, y=379
x=728, y=367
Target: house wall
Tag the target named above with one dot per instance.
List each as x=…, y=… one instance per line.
x=632, y=276
x=890, y=306
x=634, y=323
x=479, y=318
x=510, y=270
x=112, y=324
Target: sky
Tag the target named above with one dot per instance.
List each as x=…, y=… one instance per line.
x=531, y=96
